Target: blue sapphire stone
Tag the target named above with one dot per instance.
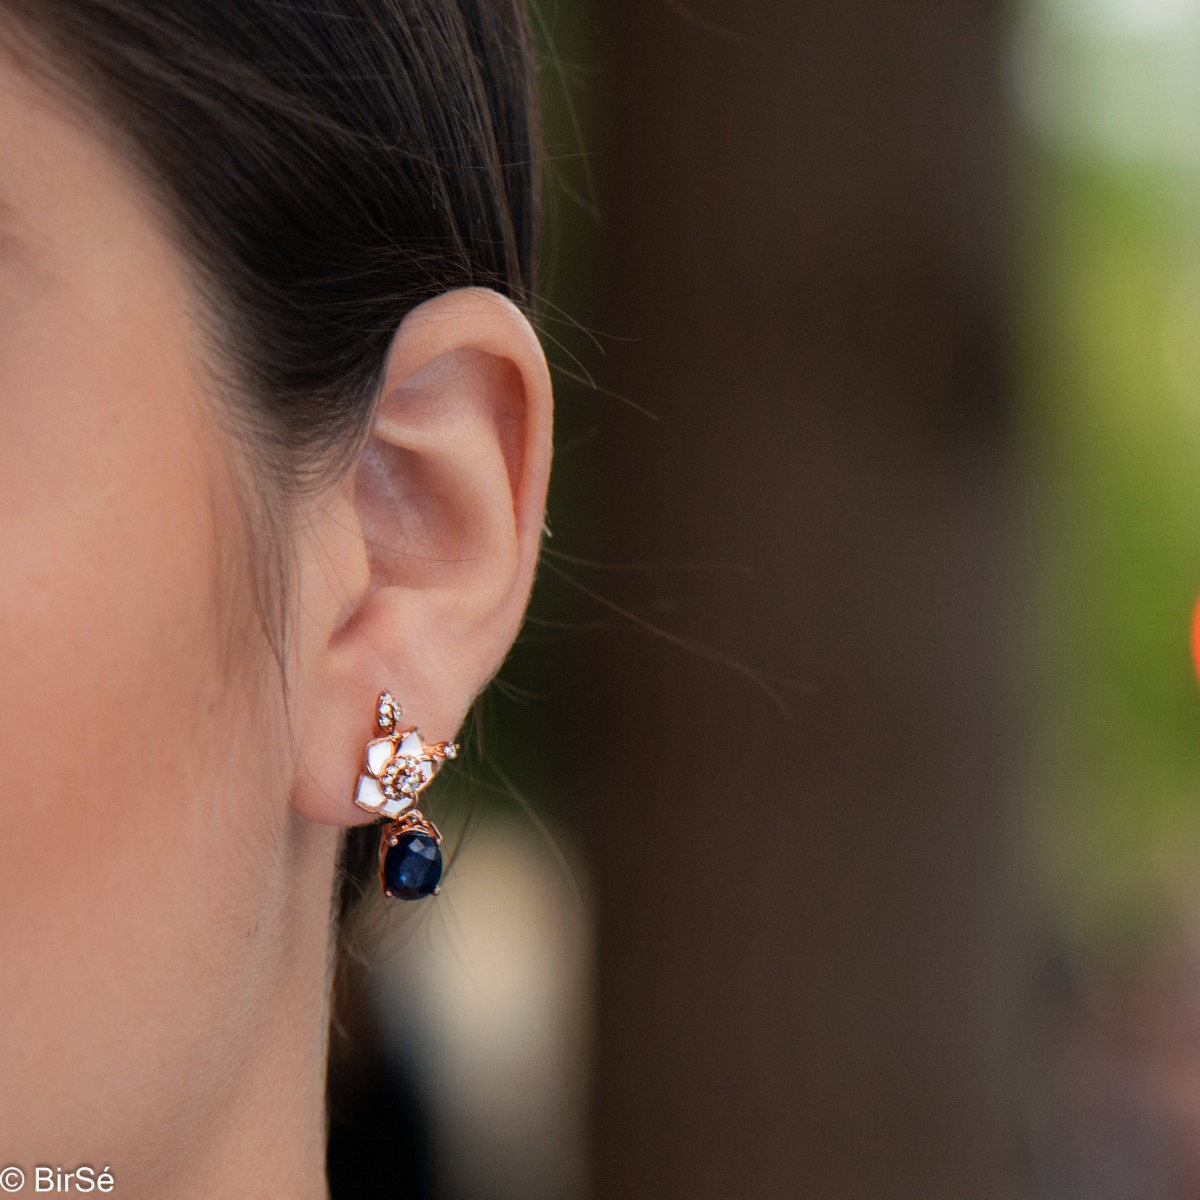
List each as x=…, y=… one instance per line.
x=412, y=868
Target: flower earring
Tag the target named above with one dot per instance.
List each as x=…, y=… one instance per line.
x=398, y=766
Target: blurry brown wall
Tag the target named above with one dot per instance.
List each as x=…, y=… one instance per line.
x=806, y=922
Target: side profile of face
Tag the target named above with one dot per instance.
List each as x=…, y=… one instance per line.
x=167, y=839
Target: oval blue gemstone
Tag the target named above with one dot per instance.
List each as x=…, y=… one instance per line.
x=412, y=868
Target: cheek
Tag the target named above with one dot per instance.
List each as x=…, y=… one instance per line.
x=108, y=592
x=128, y=757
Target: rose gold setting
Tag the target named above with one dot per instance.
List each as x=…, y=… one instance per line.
x=398, y=764
x=412, y=821
x=388, y=713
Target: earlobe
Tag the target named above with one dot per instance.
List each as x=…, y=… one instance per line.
x=438, y=534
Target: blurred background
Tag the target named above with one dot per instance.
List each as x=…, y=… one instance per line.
x=834, y=830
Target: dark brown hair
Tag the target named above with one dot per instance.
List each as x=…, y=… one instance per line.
x=326, y=165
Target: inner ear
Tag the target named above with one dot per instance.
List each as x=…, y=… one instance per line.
x=410, y=527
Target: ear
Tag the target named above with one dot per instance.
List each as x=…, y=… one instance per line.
x=415, y=572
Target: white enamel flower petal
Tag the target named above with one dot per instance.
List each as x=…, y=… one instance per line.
x=368, y=794
x=378, y=753
x=393, y=808
x=427, y=769
x=410, y=744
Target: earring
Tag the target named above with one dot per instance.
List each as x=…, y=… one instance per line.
x=398, y=766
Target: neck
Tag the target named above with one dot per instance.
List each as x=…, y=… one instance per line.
x=269, y=1139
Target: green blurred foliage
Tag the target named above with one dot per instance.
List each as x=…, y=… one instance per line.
x=1110, y=377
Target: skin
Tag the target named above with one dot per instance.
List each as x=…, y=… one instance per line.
x=167, y=841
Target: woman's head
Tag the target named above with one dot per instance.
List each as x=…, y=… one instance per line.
x=267, y=446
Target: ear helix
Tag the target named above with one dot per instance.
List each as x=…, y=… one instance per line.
x=398, y=766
